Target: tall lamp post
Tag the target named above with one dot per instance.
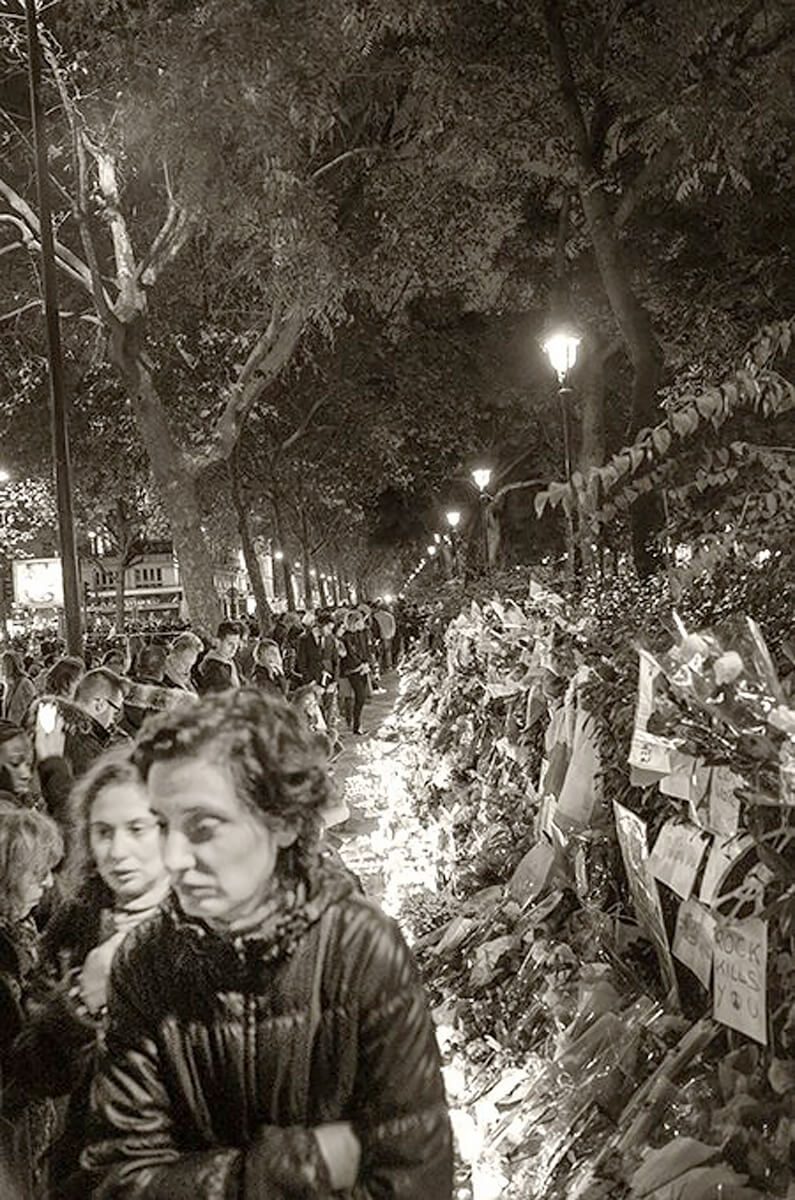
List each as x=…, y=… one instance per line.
x=561, y=350
x=58, y=404
x=482, y=478
x=453, y=520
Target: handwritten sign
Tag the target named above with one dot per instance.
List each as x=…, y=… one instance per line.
x=724, y=805
x=723, y=854
x=677, y=855
x=741, y=977
x=649, y=756
x=694, y=939
x=631, y=830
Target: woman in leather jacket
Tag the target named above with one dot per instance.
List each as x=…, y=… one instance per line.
x=268, y=1032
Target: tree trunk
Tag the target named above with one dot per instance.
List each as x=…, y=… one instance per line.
x=309, y=599
x=264, y=612
x=591, y=388
x=632, y=318
x=289, y=592
x=177, y=487
x=120, y=595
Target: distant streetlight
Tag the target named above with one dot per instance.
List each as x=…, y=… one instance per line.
x=278, y=555
x=453, y=518
x=431, y=551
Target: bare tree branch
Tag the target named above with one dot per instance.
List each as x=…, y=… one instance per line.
x=267, y=358
x=303, y=426
x=341, y=158
x=23, y=308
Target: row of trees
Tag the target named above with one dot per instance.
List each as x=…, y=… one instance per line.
x=307, y=251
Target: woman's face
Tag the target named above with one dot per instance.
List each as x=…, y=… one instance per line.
x=220, y=855
x=16, y=755
x=126, y=842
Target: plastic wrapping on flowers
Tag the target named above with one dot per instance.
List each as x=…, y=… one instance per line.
x=608, y=943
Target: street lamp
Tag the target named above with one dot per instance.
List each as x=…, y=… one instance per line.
x=561, y=350
x=453, y=519
x=482, y=478
x=431, y=551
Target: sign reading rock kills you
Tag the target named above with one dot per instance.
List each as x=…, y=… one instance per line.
x=740, y=963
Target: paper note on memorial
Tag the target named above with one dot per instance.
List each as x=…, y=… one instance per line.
x=741, y=977
x=677, y=855
x=649, y=756
x=631, y=830
x=694, y=939
x=724, y=805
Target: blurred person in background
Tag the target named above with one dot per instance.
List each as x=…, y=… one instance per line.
x=114, y=879
x=182, y=658
x=217, y=670
x=19, y=691
x=268, y=673
x=16, y=762
x=30, y=847
x=268, y=1033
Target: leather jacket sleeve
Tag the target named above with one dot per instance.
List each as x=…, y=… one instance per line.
x=402, y=1124
x=132, y=1154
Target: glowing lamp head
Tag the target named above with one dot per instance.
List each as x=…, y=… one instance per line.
x=387, y=598
x=453, y=518
x=278, y=555
x=482, y=478
x=561, y=350
x=431, y=551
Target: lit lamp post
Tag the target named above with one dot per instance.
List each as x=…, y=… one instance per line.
x=453, y=520
x=561, y=350
x=482, y=478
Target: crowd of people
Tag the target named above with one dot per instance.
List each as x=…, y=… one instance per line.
x=196, y=997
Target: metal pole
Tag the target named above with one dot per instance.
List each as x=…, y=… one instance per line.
x=60, y=432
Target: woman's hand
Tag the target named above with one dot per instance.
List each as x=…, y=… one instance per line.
x=342, y=1153
x=93, y=982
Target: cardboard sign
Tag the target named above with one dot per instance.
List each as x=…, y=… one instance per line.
x=722, y=857
x=648, y=754
x=724, y=805
x=631, y=830
x=741, y=977
x=694, y=939
x=677, y=855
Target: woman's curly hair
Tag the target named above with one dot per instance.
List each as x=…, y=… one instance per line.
x=30, y=845
x=278, y=767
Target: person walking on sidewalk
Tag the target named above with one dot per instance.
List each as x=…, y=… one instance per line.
x=356, y=664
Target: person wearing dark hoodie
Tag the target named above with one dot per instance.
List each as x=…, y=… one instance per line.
x=217, y=671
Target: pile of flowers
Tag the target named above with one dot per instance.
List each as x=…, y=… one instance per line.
x=596, y=888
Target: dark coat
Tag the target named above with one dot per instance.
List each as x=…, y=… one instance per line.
x=317, y=661
x=23, y=1127
x=216, y=674
x=219, y=1103
x=271, y=685
x=357, y=650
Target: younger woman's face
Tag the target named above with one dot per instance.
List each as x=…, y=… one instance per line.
x=221, y=855
x=126, y=842
x=16, y=755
